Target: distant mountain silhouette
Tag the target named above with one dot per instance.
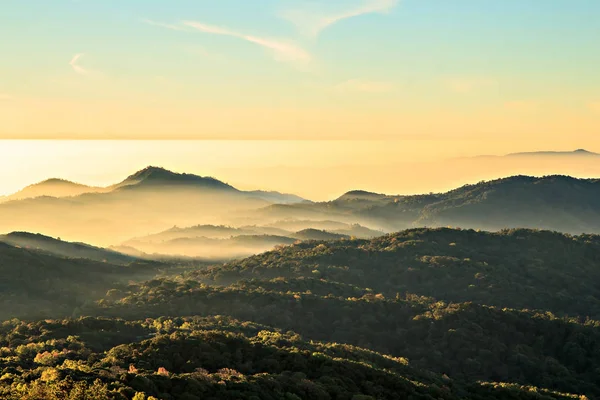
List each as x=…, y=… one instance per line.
x=316, y=234
x=52, y=188
x=559, y=203
x=578, y=152
x=554, y=202
x=227, y=242
x=157, y=176
x=361, y=193
x=149, y=200
x=206, y=247
x=153, y=199
x=148, y=178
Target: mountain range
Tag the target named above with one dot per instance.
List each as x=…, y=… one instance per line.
x=559, y=203
x=225, y=242
x=155, y=199
x=148, y=178
x=149, y=200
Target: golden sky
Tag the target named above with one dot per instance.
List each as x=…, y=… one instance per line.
x=308, y=97
x=352, y=69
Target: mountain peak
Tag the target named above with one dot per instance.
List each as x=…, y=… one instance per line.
x=53, y=187
x=152, y=172
x=56, y=182
x=60, y=181
x=153, y=175
x=360, y=194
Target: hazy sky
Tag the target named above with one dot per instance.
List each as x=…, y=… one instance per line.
x=524, y=71
x=343, y=94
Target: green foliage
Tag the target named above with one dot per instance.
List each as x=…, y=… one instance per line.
x=238, y=361
x=522, y=269
x=421, y=314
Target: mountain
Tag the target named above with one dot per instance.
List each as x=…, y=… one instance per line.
x=52, y=188
x=316, y=234
x=157, y=177
x=155, y=199
x=554, y=202
x=294, y=225
x=210, y=248
x=557, y=203
x=225, y=242
x=513, y=268
x=361, y=195
x=150, y=200
x=65, y=249
x=575, y=153
x=208, y=231
x=359, y=231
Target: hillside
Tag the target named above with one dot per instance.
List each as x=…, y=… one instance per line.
x=516, y=268
x=556, y=203
x=213, y=358
x=466, y=342
x=65, y=249
x=441, y=312
x=559, y=203
x=316, y=234
x=152, y=177
x=35, y=283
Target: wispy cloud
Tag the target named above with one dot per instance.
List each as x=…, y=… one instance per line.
x=312, y=24
x=282, y=50
x=470, y=84
x=76, y=67
x=358, y=85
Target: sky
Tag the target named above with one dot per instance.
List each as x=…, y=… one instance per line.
x=424, y=78
x=290, y=69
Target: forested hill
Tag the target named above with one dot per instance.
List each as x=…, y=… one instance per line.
x=512, y=268
x=213, y=358
x=420, y=314
x=559, y=203
x=37, y=284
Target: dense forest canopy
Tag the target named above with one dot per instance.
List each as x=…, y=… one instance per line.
x=423, y=313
